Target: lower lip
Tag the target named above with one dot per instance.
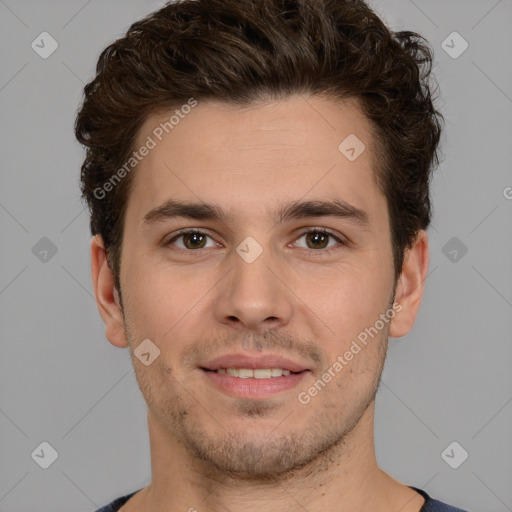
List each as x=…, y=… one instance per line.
x=254, y=388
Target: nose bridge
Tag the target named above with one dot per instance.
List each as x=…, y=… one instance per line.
x=253, y=295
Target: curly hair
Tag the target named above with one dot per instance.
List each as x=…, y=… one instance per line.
x=244, y=51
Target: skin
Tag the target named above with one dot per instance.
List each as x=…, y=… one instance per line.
x=210, y=451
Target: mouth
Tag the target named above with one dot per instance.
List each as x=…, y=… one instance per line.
x=254, y=373
x=253, y=376
x=246, y=366
x=255, y=383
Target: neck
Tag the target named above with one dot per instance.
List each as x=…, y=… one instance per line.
x=344, y=478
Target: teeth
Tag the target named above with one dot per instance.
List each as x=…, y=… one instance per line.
x=259, y=373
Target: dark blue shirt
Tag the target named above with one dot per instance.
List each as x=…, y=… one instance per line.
x=430, y=504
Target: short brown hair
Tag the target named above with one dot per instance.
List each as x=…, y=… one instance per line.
x=242, y=51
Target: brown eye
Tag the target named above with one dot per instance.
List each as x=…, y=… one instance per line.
x=320, y=239
x=317, y=240
x=190, y=240
x=194, y=240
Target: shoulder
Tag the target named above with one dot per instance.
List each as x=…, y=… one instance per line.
x=116, y=504
x=432, y=505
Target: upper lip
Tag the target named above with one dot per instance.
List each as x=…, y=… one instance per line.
x=245, y=361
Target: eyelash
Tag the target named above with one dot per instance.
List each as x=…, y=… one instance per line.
x=309, y=230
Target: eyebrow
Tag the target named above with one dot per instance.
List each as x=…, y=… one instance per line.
x=292, y=211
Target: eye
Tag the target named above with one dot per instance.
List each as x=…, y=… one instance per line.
x=191, y=239
x=320, y=238
x=315, y=239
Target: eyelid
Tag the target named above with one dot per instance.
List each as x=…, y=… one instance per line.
x=321, y=230
x=339, y=238
x=186, y=231
x=304, y=231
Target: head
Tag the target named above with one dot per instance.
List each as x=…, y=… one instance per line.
x=243, y=105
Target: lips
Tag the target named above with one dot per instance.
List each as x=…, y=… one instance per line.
x=253, y=363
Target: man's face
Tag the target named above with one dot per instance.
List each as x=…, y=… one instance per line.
x=306, y=297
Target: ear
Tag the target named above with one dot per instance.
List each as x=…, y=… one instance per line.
x=410, y=285
x=107, y=298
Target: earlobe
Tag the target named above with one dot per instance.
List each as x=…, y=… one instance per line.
x=107, y=297
x=410, y=286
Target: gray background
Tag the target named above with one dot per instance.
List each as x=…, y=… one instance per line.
x=63, y=383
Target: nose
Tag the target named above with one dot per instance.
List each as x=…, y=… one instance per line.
x=253, y=295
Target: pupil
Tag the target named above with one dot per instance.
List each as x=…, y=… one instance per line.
x=194, y=238
x=318, y=237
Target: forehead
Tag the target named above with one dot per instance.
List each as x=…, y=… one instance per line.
x=256, y=155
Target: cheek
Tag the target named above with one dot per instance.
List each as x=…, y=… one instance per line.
x=346, y=297
x=159, y=296
x=350, y=302
x=168, y=308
